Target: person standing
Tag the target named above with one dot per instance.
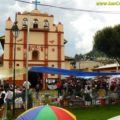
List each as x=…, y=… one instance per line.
x=88, y=96
x=59, y=88
x=27, y=85
x=37, y=90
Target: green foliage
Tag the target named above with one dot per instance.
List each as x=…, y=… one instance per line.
x=107, y=41
x=95, y=54
x=92, y=55
x=79, y=57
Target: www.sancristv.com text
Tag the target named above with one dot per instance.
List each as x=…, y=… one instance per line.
x=103, y=3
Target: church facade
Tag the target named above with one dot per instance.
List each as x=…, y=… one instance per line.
x=45, y=41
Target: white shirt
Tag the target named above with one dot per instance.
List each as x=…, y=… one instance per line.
x=27, y=84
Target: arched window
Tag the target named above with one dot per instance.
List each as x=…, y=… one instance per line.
x=25, y=22
x=35, y=55
x=35, y=23
x=46, y=24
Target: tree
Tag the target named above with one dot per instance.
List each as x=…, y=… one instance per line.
x=77, y=57
x=107, y=41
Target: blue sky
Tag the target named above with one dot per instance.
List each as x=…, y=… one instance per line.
x=79, y=27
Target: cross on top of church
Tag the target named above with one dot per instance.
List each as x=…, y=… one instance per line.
x=36, y=3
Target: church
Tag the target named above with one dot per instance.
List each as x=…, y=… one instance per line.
x=41, y=38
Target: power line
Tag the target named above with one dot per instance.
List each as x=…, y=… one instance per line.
x=73, y=9
x=64, y=2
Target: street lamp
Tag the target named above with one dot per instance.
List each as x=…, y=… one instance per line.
x=15, y=32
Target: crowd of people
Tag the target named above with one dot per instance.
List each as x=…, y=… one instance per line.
x=91, y=91
x=6, y=94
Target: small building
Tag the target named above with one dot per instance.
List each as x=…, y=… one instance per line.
x=87, y=65
x=68, y=63
x=108, y=68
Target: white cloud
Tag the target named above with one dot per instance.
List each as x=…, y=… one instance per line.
x=86, y=26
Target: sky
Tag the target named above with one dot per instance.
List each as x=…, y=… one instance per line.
x=79, y=27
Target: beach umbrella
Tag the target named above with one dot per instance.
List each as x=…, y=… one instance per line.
x=46, y=112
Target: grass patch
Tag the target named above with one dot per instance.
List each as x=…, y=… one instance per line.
x=96, y=112
x=87, y=113
x=83, y=113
